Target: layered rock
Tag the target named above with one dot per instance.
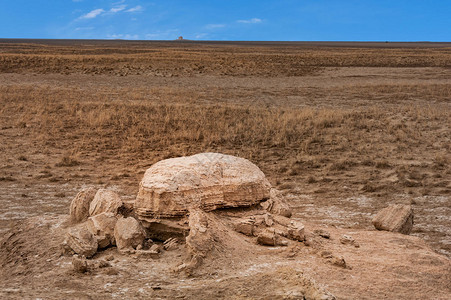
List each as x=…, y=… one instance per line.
x=79, y=207
x=105, y=201
x=128, y=234
x=81, y=241
x=395, y=218
x=207, y=181
x=102, y=226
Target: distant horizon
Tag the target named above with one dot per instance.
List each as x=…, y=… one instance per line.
x=233, y=20
x=226, y=41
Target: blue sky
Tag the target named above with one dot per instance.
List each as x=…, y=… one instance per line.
x=283, y=20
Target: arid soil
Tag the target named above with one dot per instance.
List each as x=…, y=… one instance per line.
x=343, y=130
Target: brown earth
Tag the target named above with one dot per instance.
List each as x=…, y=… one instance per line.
x=343, y=131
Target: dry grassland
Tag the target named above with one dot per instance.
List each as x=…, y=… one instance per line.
x=325, y=124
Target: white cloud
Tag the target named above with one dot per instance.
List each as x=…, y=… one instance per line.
x=135, y=9
x=92, y=14
x=215, y=26
x=118, y=8
x=123, y=36
x=251, y=21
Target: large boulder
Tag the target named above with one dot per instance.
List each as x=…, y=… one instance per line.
x=206, y=181
x=395, y=218
x=128, y=233
x=79, y=207
x=105, y=201
x=81, y=241
x=102, y=227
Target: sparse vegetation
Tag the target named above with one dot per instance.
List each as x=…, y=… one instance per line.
x=379, y=127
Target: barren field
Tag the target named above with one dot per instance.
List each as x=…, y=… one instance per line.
x=341, y=129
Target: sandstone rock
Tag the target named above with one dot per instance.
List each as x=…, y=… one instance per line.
x=79, y=207
x=270, y=238
x=207, y=181
x=102, y=227
x=296, y=231
x=395, y=218
x=245, y=226
x=81, y=241
x=128, y=233
x=348, y=240
x=105, y=201
x=80, y=265
x=199, y=242
x=170, y=244
x=276, y=205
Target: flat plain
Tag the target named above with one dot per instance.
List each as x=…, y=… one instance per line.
x=342, y=129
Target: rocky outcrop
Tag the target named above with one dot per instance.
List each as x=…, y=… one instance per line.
x=102, y=227
x=79, y=207
x=81, y=241
x=105, y=201
x=207, y=181
x=395, y=218
x=128, y=234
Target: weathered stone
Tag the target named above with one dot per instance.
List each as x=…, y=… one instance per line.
x=347, y=240
x=276, y=205
x=207, y=181
x=79, y=265
x=102, y=227
x=395, y=218
x=170, y=244
x=245, y=227
x=128, y=233
x=79, y=207
x=163, y=229
x=81, y=241
x=270, y=238
x=105, y=201
x=296, y=231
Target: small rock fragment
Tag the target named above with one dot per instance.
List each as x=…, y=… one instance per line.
x=395, y=218
x=296, y=231
x=339, y=262
x=110, y=257
x=270, y=238
x=79, y=265
x=245, y=227
x=170, y=244
x=155, y=248
x=347, y=240
x=81, y=241
x=128, y=233
x=79, y=207
x=105, y=201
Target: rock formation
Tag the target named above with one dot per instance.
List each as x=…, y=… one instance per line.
x=128, y=234
x=206, y=181
x=79, y=207
x=395, y=218
x=81, y=241
x=105, y=201
x=102, y=226
x=181, y=199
